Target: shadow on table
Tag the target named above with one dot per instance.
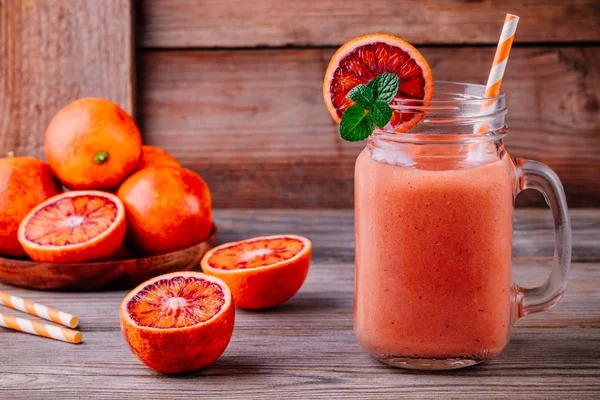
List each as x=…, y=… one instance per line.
x=224, y=366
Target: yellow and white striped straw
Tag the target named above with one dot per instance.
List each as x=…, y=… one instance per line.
x=38, y=310
x=40, y=329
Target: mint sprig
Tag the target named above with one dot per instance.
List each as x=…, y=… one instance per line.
x=372, y=107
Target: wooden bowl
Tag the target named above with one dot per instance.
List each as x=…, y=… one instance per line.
x=101, y=275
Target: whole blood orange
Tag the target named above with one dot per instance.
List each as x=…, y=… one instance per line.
x=168, y=209
x=74, y=227
x=24, y=183
x=178, y=322
x=92, y=144
x=262, y=272
x=155, y=156
x=366, y=57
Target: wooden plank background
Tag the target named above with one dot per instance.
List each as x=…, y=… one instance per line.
x=306, y=349
x=233, y=88
x=250, y=23
x=253, y=122
x=54, y=51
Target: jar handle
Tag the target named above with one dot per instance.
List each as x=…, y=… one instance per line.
x=538, y=176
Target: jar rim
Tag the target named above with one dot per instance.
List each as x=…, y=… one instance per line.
x=437, y=138
x=457, y=109
x=472, y=93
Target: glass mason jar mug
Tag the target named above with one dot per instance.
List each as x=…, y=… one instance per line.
x=434, y=210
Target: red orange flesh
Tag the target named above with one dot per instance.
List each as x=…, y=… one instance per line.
x=364, y=58
x=74, y=227
x=261, y=272
x=178, y=322
x=256, y=253
x=176, y=303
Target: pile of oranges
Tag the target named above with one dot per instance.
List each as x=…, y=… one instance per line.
x=105, y=196
x=101, y=189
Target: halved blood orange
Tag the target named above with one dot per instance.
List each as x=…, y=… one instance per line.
x=178, y=322
x=74, y=227
x=262, y=272
x=366, y=57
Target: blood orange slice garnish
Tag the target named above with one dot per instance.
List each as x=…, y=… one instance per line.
x=74, y=227
x=261, y=272
x=178, y=322
x=366, y=57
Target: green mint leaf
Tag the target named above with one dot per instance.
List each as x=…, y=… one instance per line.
x=385, y=86
x=356, y=124
x=362, y=95
x=371, y=108
x=381, y=113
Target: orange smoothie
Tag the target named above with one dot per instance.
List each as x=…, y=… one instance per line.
x=433, y=259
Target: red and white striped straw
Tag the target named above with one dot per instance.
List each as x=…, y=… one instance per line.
x=38, y=310
x=40, y=329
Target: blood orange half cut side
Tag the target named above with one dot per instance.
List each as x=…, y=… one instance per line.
x=258, y=252
x=178, y=322
x=176, y=302
x=262, y=272
x=74, y=227
x=366, y=57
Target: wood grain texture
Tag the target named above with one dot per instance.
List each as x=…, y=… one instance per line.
x=306, y=348
x=227, y=23
x=333, y=230
x=300, y=363
x=55, y=51
x=253, y=123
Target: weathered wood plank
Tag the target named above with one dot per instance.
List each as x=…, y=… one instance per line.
x=332, y=234
x=306, y=348
x=227, y=23
x=538, y=364
x=325, y=301
x=54, y=51
x=254, y=125
x=333, y=231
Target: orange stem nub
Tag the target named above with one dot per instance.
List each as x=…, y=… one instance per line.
x=101, y=157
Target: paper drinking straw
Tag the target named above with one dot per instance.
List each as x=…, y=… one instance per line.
x=38, y=310
x=40, y=329
x=492, y=89
x=507, y=36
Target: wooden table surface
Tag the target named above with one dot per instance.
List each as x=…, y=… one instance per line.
x=306, y=348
